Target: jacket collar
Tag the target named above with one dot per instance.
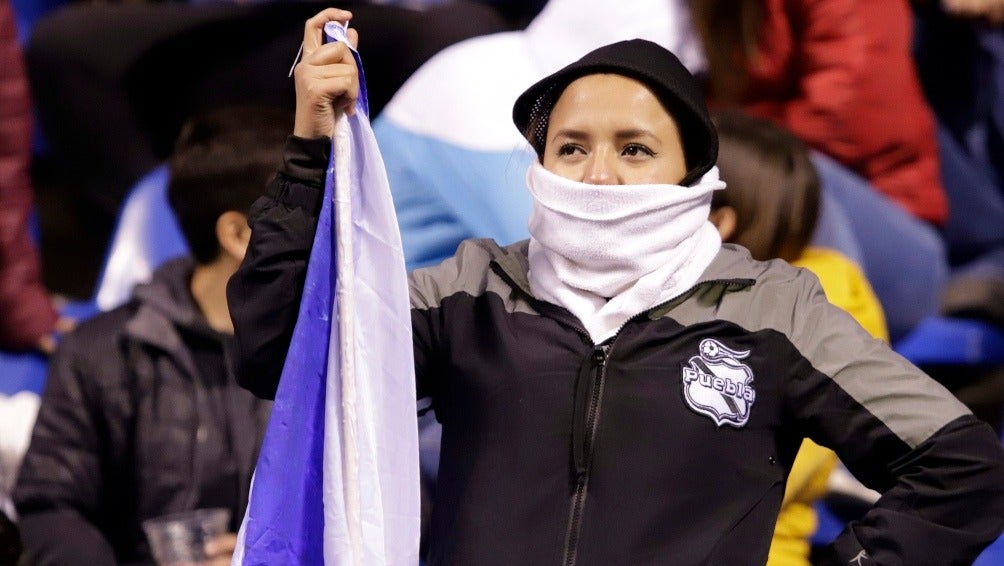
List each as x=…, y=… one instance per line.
x=729, y=269
x=164, y=308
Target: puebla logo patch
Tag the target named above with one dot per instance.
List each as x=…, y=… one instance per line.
x=716, y=384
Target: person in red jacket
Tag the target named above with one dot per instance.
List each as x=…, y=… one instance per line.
x=28, y=316
x=839, y=74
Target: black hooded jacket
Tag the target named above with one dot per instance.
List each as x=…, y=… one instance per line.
x=140, y=417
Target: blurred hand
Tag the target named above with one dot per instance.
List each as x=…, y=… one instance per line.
x=47, y=344
x=220, y=550
x=326, y=78
x=990, y=10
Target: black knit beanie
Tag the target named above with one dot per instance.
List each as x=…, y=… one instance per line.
x=644, y=61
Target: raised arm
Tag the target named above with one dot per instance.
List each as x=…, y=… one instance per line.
x=264, y=295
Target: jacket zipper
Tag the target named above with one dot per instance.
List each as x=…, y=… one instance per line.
x=582, y=449
x=599, y=357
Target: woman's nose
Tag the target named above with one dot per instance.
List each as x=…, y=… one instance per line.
x=600, y=169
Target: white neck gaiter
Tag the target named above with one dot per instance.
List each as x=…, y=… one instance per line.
x=636, y=245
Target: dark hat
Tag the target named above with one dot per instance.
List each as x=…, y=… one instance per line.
x=643, y=61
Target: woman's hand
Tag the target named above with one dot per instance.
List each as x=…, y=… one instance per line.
x=326, y=78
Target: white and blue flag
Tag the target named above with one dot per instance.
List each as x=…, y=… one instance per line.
x=337, y=478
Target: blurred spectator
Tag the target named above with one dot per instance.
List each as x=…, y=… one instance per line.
x=141, y=415
x=960, y=56
x=28, y=315
x=770, y=206
x=114, y=82
x=839, y=75
x=990, y=10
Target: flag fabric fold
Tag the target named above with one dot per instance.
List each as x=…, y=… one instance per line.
x=337, y=476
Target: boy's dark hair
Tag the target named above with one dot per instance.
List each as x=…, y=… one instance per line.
x=772, y=185
x=222, y=161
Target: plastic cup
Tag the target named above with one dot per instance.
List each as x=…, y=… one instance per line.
x=180, y=538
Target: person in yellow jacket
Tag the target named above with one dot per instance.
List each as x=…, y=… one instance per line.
x=770, y=206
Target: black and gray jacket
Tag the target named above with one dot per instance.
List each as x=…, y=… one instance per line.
x=668, y=444
x=129, y=429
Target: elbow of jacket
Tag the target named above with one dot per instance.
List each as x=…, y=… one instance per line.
x=986, y=474
x=995, y=489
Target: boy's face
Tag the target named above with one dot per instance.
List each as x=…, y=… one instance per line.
x=609, y=129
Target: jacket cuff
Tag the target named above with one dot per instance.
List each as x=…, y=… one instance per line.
x=844, y=550
x=306, y=159
x=299, y=182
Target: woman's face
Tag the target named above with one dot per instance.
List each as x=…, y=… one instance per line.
x=611, y=130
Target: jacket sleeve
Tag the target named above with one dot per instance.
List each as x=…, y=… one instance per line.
x=28, y=312
x=62, y=537
x=60, y=487
x=940, y=470
x=264, y=294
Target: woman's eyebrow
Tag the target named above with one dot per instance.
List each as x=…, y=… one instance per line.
x=579, y=135
x=570, y=133
x=635, y=133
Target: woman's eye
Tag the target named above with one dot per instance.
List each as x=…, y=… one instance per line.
x=568, y=149
x=634, y=150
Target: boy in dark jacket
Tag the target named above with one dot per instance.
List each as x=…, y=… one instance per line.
x=141, y=416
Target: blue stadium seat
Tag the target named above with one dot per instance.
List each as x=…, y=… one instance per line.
x=829, y=525
x=25, y=371
x=943, y=340
x=27, y=12
x=22, y=372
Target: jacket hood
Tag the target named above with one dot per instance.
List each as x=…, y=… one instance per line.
x=169, y=295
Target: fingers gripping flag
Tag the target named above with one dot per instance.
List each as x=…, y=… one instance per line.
x=337, y=477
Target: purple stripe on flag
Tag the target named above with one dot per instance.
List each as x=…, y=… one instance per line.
x=284, y=521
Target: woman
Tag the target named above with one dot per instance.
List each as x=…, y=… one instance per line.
x=623, y=389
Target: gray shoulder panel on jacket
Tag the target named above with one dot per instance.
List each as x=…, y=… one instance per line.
x=470, y=272
x=790, y=300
